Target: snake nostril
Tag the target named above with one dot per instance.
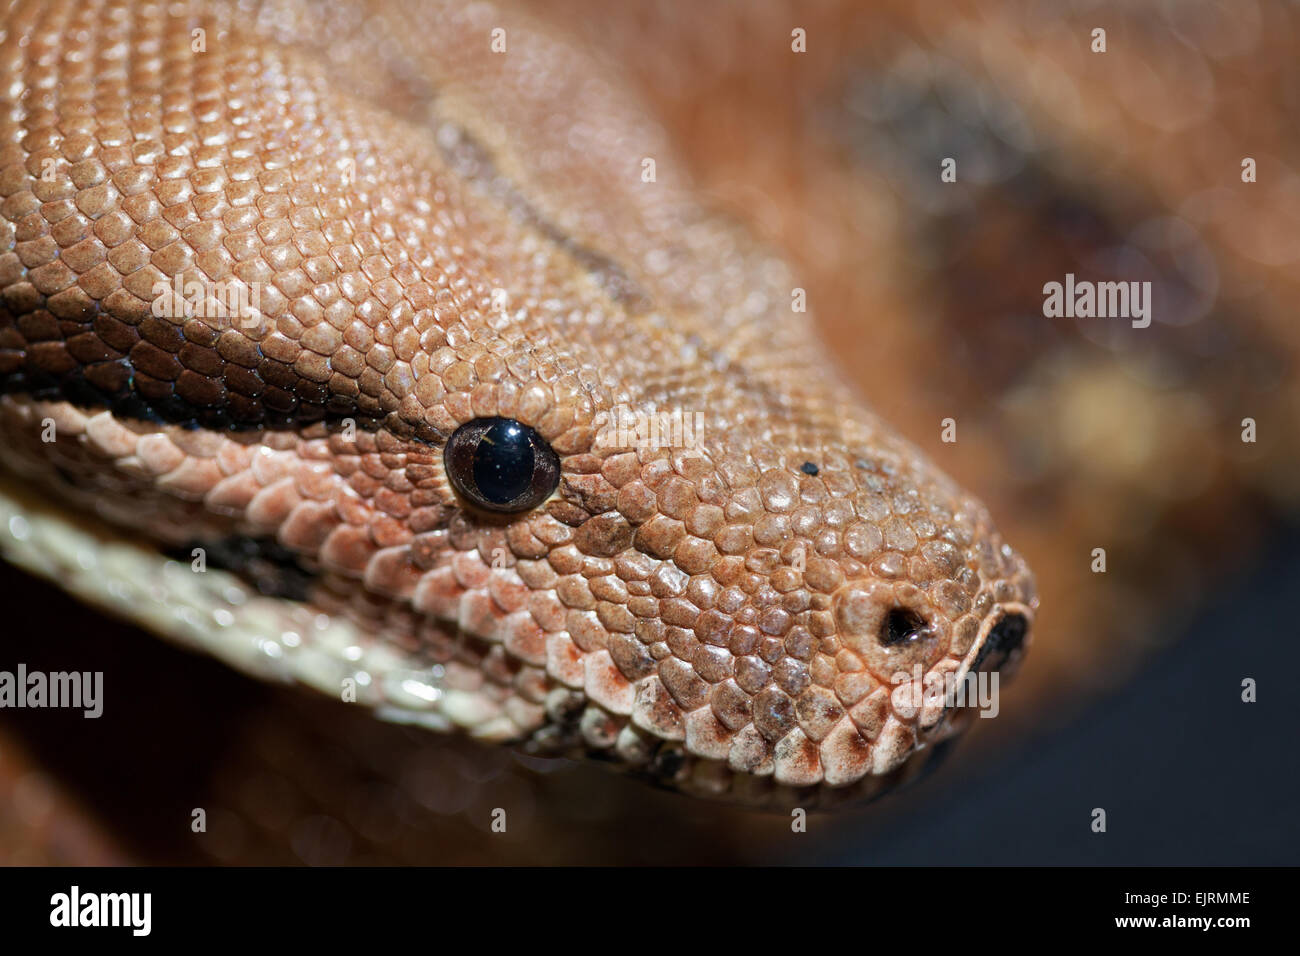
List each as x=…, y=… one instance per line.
x=1005, y=638
x=900, y=624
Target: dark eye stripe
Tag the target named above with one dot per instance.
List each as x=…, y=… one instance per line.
x=501, y=465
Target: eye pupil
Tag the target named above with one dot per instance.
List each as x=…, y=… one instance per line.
x=501, y=465
x=503, y=462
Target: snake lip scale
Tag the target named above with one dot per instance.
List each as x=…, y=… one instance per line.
x=388, y=480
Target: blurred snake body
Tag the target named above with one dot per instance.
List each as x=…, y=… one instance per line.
x=442, y=215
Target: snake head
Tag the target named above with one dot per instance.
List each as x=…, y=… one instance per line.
x=500, y=433
x=773, y=605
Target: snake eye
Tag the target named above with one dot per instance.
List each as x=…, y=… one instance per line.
x=501, y=465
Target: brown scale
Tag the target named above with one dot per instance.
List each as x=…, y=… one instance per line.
x=770, y=128
x=728, y=623
x=1075, y=439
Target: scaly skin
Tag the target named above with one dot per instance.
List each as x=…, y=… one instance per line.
x=437, y=233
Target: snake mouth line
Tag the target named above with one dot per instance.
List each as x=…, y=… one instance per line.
x=261, y=561
x=282, y=589
x=998, y=649
x=277, y=572
x=1002, y=639
x=245, y=610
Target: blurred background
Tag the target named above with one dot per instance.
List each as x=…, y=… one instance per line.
x=1078, y=434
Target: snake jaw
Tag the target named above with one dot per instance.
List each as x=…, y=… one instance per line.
x=766, y=674
x=723, y=609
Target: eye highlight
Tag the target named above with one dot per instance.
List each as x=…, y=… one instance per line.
x=501, y=465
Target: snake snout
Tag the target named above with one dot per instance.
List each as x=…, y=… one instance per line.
x=1002, y=642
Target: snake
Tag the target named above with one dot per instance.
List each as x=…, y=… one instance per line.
x=387, y=349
